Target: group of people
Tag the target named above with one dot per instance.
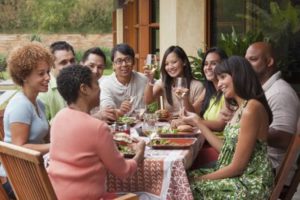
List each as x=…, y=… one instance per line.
x=245, y=111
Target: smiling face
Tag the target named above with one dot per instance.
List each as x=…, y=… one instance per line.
x=212, y=59
x=261, y=57
x=39, y=78
x=63, y=58
x=96, y=64
x=225, y=84
x=174, y=65
x=123, y=65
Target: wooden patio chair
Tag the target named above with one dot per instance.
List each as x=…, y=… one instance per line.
x=129, y=196
x=26, y=172
x=3, y=195
x=288, y=162
x=1, y=125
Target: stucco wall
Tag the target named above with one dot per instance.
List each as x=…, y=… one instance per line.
x=182, y=23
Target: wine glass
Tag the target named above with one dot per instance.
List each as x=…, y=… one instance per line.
x=180, y=90
x=131, y=98
x=149, y=125
x=151, y=62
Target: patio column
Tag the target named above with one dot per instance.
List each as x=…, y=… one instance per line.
x=183, y=23
x=119, y=25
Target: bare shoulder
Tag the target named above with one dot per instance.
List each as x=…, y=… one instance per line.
x=254, y=105
x=253, y=108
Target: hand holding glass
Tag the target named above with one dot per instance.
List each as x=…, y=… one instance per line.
x=149, y=125
x=180, y=90
x=151, y=62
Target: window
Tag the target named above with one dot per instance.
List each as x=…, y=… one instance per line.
x=154, y=27
x=141, y=28
x=225, y=15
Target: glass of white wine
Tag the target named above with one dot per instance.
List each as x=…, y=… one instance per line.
x=149, y=125
x=152, y=62
x=180, y=90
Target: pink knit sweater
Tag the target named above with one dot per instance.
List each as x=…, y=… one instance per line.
x=81, y=152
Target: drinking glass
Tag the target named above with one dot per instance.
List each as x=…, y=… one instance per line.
x=131, y=99
x=149, y=125
x=152, y=62
x=180, y=90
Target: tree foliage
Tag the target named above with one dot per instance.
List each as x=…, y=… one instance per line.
x=278, y=24
x=64, y=16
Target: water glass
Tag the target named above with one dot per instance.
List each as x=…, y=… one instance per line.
x=149, y=124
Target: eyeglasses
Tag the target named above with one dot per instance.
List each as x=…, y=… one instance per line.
x=120, y=61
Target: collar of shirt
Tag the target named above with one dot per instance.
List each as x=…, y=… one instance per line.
x=52, y=82
x=271, y=80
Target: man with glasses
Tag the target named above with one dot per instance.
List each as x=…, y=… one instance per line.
x=64, y=56
x=124, y=89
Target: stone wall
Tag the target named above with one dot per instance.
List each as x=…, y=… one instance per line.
x=78, y=41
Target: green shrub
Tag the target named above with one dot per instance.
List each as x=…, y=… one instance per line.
x=237, y=44
x=63, y=16
x=2, y=60
x=196, y=64
x=280, y=24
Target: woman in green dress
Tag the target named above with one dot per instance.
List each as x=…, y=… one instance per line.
x=243, y=170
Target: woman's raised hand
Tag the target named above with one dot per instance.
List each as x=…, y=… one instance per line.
x=149, y=73
x=190, y=118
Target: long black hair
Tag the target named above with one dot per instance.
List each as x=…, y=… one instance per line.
x=245, y=80
x=167, y=79
x=210, y=90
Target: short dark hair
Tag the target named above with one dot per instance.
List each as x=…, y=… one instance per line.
x=245, y=81
x=167, y=79
x=124, y=49
x=69, y=80
x=94, y=50
x=61, y=45
x=210, y=90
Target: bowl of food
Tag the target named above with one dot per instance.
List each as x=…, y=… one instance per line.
x=171, y=143
x=124, y=143
x=180, y=131
x=126, y=120
x=163, y=115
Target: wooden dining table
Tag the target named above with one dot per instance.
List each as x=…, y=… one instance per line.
x=162, y=174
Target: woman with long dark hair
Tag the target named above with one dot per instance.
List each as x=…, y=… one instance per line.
x=243, y=169
x=174, y=64
x=211, y=100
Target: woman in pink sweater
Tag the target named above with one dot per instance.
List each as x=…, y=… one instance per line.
x=82, y=147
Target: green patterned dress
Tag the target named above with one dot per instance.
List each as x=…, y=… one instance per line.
x=255, y=183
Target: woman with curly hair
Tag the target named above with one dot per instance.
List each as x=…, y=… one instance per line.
x=25, y=123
